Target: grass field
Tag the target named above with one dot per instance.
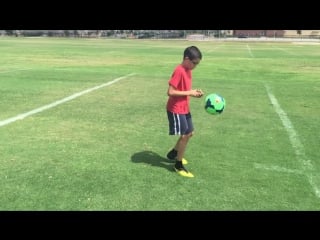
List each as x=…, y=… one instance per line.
x=105, y=149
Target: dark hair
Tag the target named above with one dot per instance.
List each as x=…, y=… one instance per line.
x=192, y=52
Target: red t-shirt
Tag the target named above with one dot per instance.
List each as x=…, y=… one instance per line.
x=181, y=79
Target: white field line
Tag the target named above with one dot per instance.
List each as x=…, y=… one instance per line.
x=15, y=70
x=295, y=141
x=277, y=168
x=51, y=105
x=286, y=51
x=249, y=49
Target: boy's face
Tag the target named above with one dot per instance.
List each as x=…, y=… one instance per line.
x=194, y=62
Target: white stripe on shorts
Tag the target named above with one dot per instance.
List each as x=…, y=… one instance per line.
x=176, y=119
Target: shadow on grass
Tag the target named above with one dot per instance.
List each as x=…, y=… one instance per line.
x=153, y=159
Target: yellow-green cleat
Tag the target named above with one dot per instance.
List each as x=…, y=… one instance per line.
x=183, y=172
x=184, y=161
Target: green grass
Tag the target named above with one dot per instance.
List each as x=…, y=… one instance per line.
x=106, y=150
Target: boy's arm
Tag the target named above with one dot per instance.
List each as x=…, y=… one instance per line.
x=172, y=91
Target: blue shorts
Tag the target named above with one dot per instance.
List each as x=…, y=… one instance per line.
x=179, y=124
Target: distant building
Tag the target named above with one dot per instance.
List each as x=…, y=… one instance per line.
x=258, y=33
x=277, y=33
x=302, y=33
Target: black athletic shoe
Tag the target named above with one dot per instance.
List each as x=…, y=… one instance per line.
x=172, y=154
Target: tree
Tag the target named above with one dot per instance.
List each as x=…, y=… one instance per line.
x=299, y=32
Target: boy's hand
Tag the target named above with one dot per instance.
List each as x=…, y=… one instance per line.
x=200, y=92
x=197, y=93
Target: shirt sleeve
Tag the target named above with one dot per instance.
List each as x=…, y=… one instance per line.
x=175, y=78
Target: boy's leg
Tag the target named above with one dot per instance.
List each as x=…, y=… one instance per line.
x=181, y=147
x=179, y=124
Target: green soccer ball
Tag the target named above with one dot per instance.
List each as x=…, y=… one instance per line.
x=214, y=104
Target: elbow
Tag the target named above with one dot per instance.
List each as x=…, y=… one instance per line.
x=171, y=91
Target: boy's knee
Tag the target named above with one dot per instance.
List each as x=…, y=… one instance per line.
x=187, y=136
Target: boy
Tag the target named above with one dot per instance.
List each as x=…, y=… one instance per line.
x=178, y=110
